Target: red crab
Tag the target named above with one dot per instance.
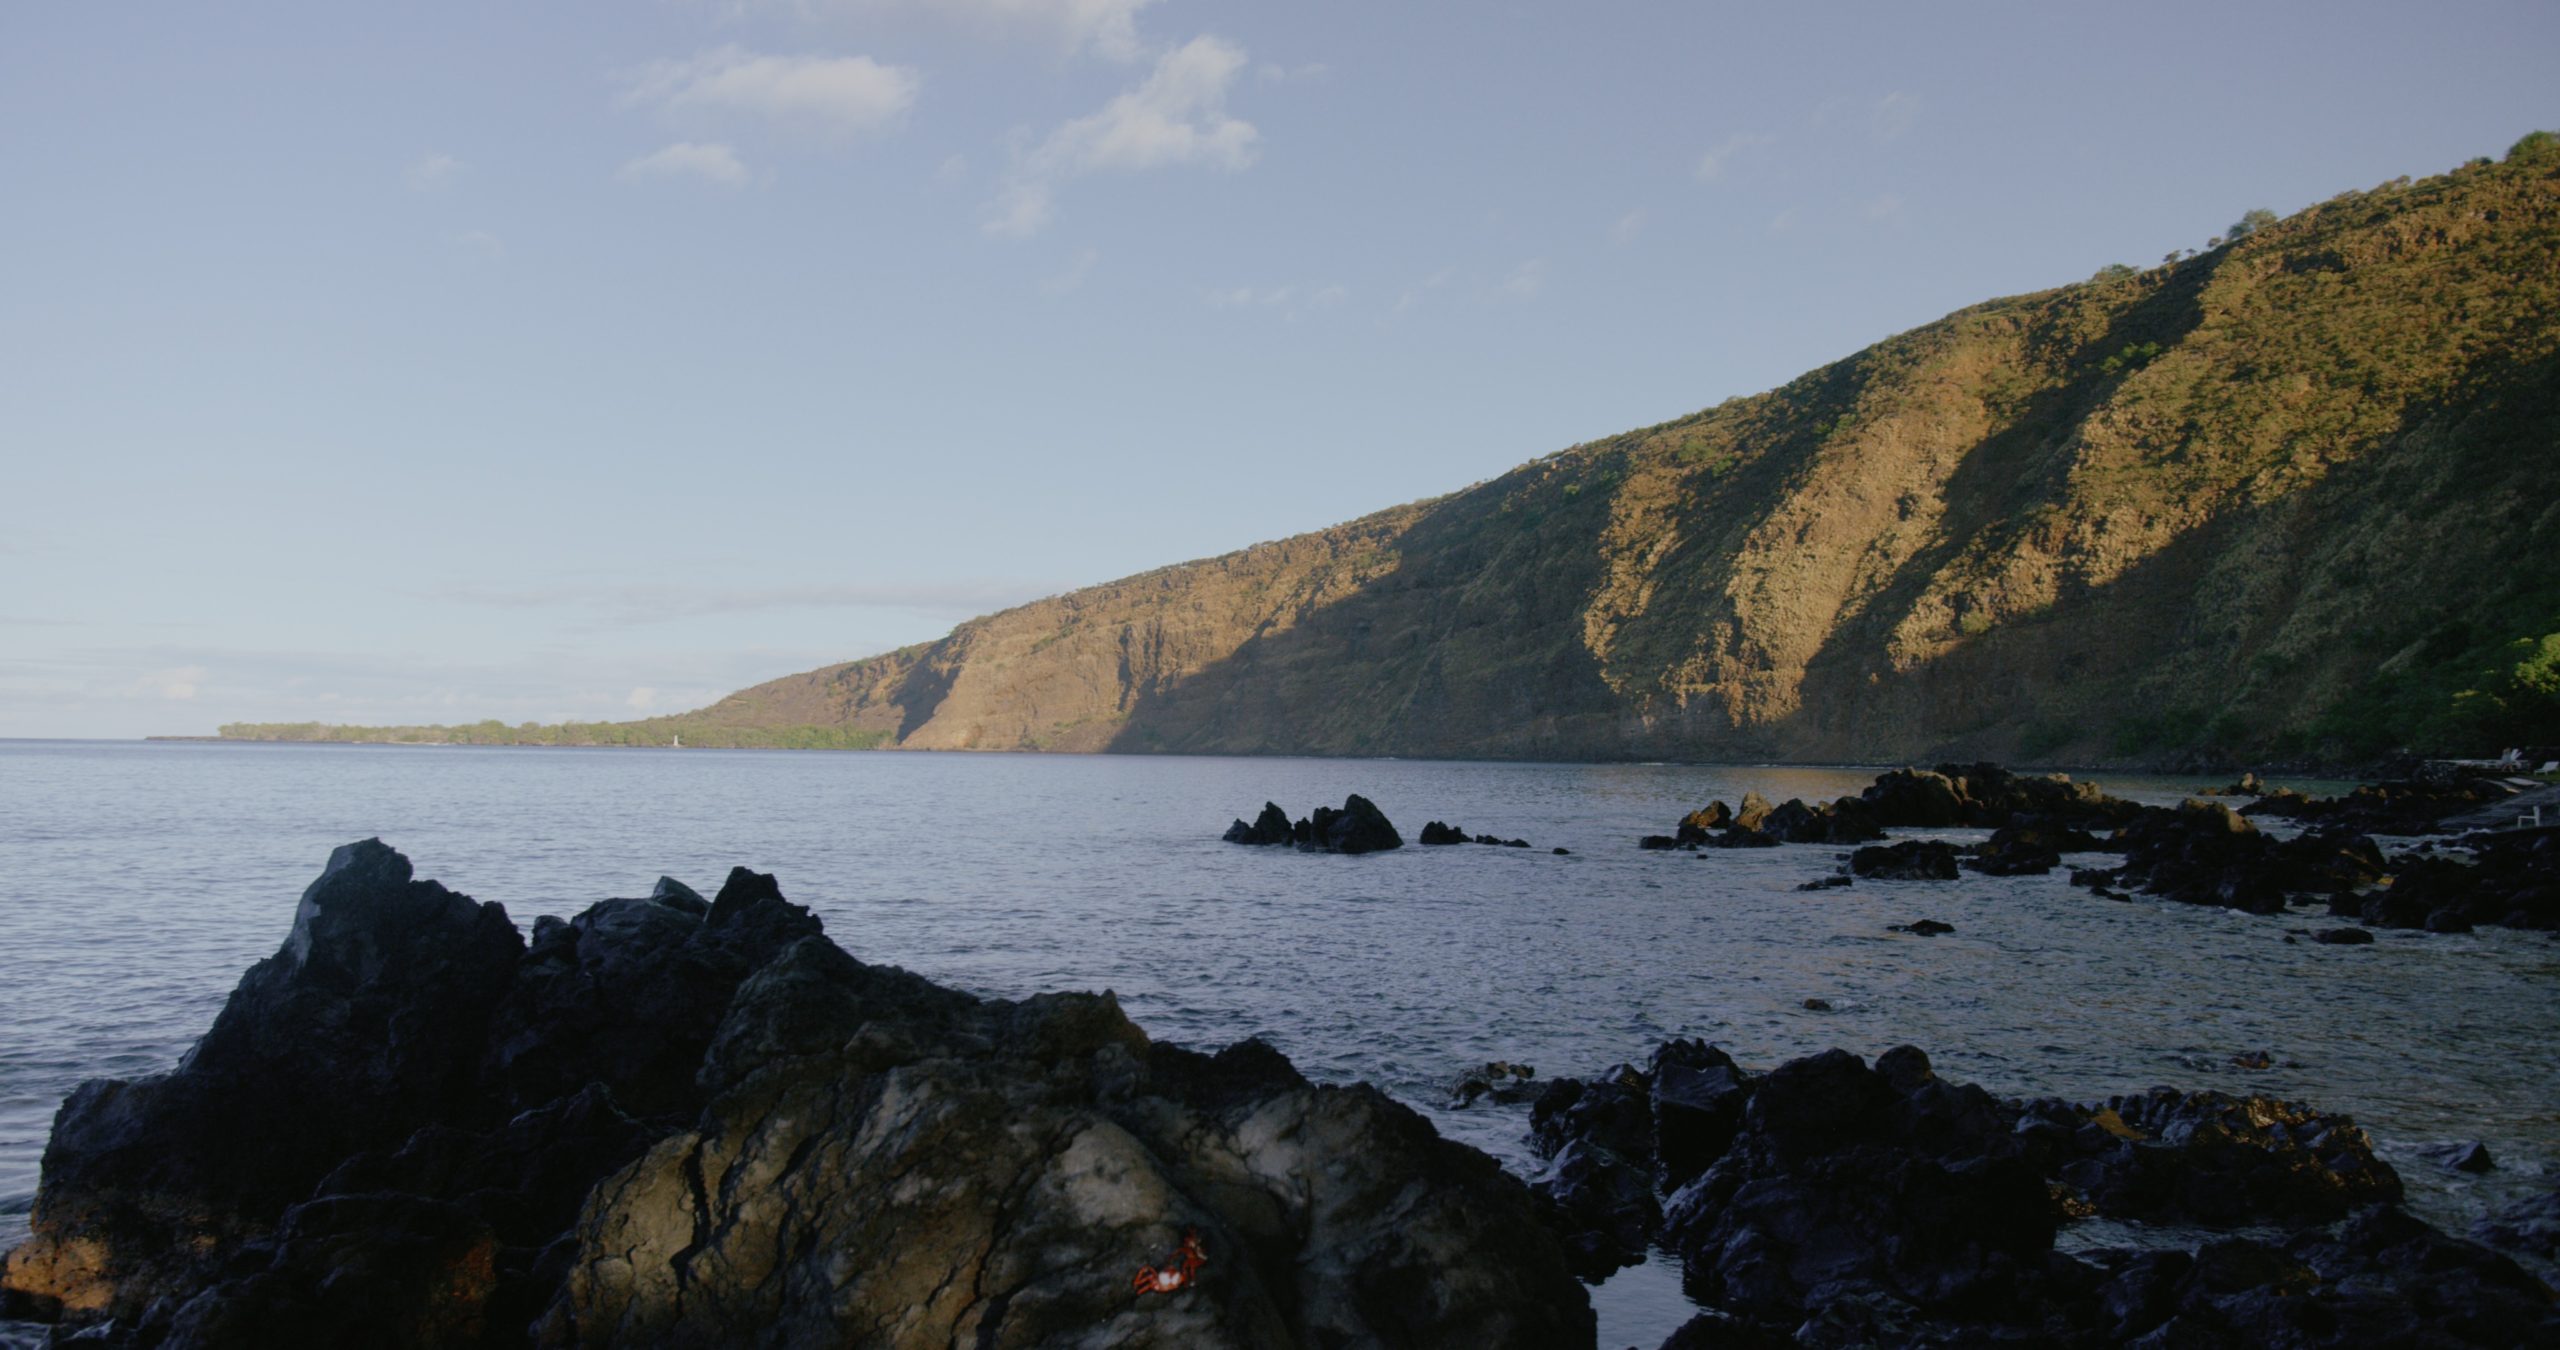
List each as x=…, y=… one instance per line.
x=1177, y=1273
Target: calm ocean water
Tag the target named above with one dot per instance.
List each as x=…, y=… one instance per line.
x=144, y=877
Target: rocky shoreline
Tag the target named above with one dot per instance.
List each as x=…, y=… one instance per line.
x=680, y=1121
x=2198, y=852
x=672, y=1121
x=1829, y=1202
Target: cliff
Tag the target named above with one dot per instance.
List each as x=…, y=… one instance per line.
x=2294, y=495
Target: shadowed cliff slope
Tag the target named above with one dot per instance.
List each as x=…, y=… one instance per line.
x=2298, y=494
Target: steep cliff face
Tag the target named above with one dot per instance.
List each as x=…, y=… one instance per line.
x=2299, y=493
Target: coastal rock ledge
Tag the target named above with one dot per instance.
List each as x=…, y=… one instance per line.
x=679, y=1122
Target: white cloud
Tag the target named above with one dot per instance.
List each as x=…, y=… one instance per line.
x=1288, y=301
x=954, y=170
x=176, y=684
x=1712, y=165
x=1628, y=227
x=1075, y=274
x=1886, y=207
x=640, y=699
x=1784, y=221
x=835, y=95
x=1525, y=281
x=1894, y=114
x=1175, y=118
x=713, y=163
x=434, y=171
x=481, y=244
x=1022, y=210
x=1412, y=296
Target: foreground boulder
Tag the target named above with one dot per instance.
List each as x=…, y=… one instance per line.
x=997, y=1178
x=355, y=1155
x=366, y=1024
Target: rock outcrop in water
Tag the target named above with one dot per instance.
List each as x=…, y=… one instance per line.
x=1834, y=1203
x=2200, y=852
x=1359, y=827
x=2048, y=807
x=1439, y=833
x=2399, y=806
x=679, y=1122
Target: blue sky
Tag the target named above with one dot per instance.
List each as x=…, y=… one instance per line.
x=438, y=362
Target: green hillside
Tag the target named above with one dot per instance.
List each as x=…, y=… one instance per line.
x=2298, y=494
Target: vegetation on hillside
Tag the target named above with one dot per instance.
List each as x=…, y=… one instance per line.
x=2295, y=495
x=658, y=731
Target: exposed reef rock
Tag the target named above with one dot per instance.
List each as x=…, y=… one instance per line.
x=1271, y=827
x=2034, y=815
x=2204, y=853
x=2514, y=881
x=1439, y=833
x=1910, y=860
x=676, y=1122
x=2401, y=806
x=1833, y=1203
x=1757, y=824
x=1359, y=827
x=1986, y=796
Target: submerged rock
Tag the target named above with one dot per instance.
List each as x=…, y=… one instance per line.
x=2529, y=1225
x=1438, y=833
x=1500, y=1082
x=1910, y=860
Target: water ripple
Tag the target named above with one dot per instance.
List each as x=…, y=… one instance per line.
x=146, y=877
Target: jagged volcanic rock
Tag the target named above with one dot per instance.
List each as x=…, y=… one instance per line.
x=361, y=1153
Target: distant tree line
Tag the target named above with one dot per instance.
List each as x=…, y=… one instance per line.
x=659, y=732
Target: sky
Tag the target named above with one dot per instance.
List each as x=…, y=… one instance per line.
x=430, y=363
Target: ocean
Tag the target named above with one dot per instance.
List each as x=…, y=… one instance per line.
x=144, y=877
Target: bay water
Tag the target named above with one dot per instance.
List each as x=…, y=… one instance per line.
x=142, y=877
